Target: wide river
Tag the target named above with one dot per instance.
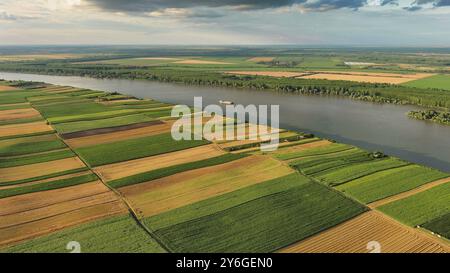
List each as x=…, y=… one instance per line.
x=381, y=127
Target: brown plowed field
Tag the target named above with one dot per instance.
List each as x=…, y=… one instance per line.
x=19, y=113
x=40, y=169
x=181, y=189
x=24, y=128
x=119, y=135
x=132, y=167
x=30, y=215
x=354, y=235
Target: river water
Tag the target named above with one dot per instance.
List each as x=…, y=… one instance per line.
x=381, y=127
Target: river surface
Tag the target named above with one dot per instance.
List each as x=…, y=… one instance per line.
x=381, y=127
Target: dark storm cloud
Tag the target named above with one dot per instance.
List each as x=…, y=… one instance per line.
x=152, y=5
x=324, y=5
x=143, y=6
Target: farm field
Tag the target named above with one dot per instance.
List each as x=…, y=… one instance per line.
x=118, y=234
x=262, y=224
x=82, y=177
x=422, y=207
x=187, y=187
x=437, y=81
x=383, y=184
x=29, y=215
x=354, y=235
x=366, y=77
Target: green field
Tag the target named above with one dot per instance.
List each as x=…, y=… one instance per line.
x=440, y=225
x=118, y=234
x=53, y=175
x=255, y=219
x=422, y=207
x=319, y=164
x=383, y=184
x=134, y=148
x=437, y=81
x=29, y=145
x=342, y=175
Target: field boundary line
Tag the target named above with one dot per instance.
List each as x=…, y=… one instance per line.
x=408, y=193
x=121, y=198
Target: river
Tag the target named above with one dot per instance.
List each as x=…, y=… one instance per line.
x=381, y=127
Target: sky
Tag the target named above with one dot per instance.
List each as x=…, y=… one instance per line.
x=411, y=23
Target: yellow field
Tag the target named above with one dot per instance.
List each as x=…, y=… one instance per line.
x=24, y=128
x=366, y=77
x=354, y=236
x=188, y=187
x=40, y=169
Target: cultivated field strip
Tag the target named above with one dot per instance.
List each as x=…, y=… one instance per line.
x=182, y=189
x=136, y=166
x=116, y=135
x=355, y=235
x=24, y=129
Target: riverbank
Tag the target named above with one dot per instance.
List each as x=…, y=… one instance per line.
x=371, y=92
x=431, y=115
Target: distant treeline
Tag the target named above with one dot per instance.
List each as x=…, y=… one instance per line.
x=383, y=93
x=431, y=115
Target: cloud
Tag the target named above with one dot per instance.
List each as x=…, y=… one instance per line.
x=186, y=13
x=419, y=4
x=176, y=7
x=7, y=17
x=153, y=5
